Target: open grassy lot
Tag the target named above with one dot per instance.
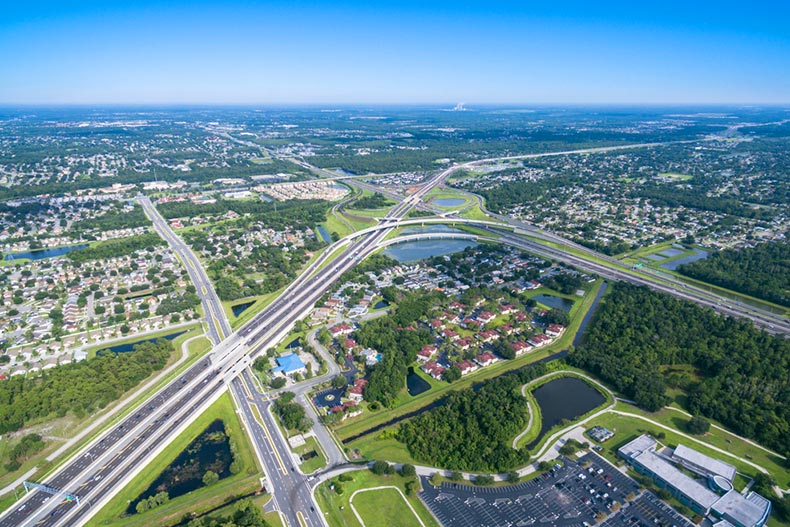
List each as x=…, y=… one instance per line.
x=202, y=499
x=314, y=463
x=338, y=512
x=384, y=507
x=335, y=224
x=676, y=177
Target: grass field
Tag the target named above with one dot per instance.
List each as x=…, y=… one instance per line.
x=203, y=499
x=676, y=177
x=384, y=507
x=338, y=512
x=314, y=463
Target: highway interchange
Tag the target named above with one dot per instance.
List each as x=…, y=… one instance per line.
x=111, y=460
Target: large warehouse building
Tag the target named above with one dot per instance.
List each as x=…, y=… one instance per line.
x=713, y=496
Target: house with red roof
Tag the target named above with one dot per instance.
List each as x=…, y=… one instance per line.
x=450, y=334
x=507, y=309
x=488, y=335
x=355, y=391
x=433, y=369
x=467, y=366
x=341, y=329
x=539, y=340
x=350, y=344
x=485, y=317
x=506, y=329
x=426, y=352
x=485, y=359
x=521, y=347
x=555, y=330
x=465, y=343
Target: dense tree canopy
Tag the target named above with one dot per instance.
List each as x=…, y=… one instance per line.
x=116, y=247
x=641, y=340
x=80, y=388
x=473, y=430
x=762, y=271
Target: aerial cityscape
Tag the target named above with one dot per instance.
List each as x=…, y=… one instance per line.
x=395, y=264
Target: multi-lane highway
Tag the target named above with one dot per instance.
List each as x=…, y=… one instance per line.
x=110, y=461
x=218, y=326
x=104, y=466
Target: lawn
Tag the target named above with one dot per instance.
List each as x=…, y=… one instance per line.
x=205, y=498
x=314, y=463
x=338, y=512
x=336, y=224
x=384, y=507
x=676, y=177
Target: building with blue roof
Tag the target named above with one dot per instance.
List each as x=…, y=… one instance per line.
x=289, y=364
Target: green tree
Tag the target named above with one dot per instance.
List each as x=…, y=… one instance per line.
x=380, y=468
x=210, y=477
x=698, y=425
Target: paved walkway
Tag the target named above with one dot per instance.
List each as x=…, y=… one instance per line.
x=21, y=479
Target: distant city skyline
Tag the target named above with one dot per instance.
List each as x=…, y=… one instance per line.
x=409, y=52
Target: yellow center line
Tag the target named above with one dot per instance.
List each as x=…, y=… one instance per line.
x=246, y=388
x=301, y=519
x=256, y=413
x=219, y=327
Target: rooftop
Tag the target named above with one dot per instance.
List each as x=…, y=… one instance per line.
x=701, y=463
x=637, y=446
x=665, y=471
x=289, y=364
x=743, y=510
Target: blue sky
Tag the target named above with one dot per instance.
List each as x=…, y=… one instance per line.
x=395, y=52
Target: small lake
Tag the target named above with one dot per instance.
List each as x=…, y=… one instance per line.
x=238, y=309
x=40, y=254
x=324, y=234
x=419, y=250
x=210, y=451
x=129, y=346
x=554, y=302
x=564, y=398
x=449, y=202
x=416, y=384
x=293, y=344
x=698, y=254
x=381, y=304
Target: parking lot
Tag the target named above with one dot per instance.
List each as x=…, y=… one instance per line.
x=566, y=496
x=648, y=511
